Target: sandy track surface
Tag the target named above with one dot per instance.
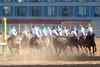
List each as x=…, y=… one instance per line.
x=48, y=60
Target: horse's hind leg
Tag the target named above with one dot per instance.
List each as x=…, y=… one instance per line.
x=17, y=49
x=12, y=53
x=94, y=48
x=11, y=49
x=71, y=49
x=55, y=47
x=89, y=47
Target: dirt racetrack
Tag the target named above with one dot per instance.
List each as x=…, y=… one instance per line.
x=52, y=61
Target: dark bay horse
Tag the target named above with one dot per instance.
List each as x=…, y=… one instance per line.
x=90, y=41
x=73, y=43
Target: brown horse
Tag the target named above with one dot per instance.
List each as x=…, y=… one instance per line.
x=59, y=45
x=25, y=43
x=13, y=44
x=35, y=44
x=82, y=43
x=47, y=44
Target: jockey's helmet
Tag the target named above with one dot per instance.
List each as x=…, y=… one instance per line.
x=33, y=26
x=64, y=27
x=54, y=27
x=81, y=26
x=58, y=27
x=89, y=25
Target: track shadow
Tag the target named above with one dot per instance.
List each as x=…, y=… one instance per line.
x=79, y=65
x=80, y=58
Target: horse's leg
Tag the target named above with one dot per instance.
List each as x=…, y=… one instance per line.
x=22, y=47
x=55, y=47
x=71, y=49
x=81, y=46
x=93, y=47
x=10, y=48
x=49, y=47
x=64, y=49
x=89, y=48
x=86, y=49
x=18, y=49
x=77, y=49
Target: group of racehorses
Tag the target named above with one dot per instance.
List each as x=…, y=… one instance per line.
x=60, y=44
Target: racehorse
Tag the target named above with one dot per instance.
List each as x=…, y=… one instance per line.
x=59, y=44
x=82, y=43
x=90, y=41
x=25, y=43
x=35, y=44
x=46, y=42
x=13, y=44
x=72, y=43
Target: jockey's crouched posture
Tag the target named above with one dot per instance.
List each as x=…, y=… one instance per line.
x=81, y=32
x=12, y=32
x=35, y=33
x=13, y=37
x=65, y=32
x=49, y=31
x=54, y=32
x=43, y=31
x=89, y=29
x=90, y=39
x=25, y=32
x=73, y=32
x=59, y=31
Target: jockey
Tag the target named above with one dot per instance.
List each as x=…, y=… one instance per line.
x=12, y=31
x=75, y=28
x=54, y=32
x=49, y=31
x=59, y=30
x=25, y=32
x=81, y=31
x=43, y=31
x=35, y=31
x=65, y=32
x=89, y=29
x=73, y=32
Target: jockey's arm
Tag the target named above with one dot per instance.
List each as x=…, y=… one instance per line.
x=14, y=32
x=83, y=32
x=50, y=32
x=56, y=33
x=75, y=33
x=37, y=33
x=9, y=32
